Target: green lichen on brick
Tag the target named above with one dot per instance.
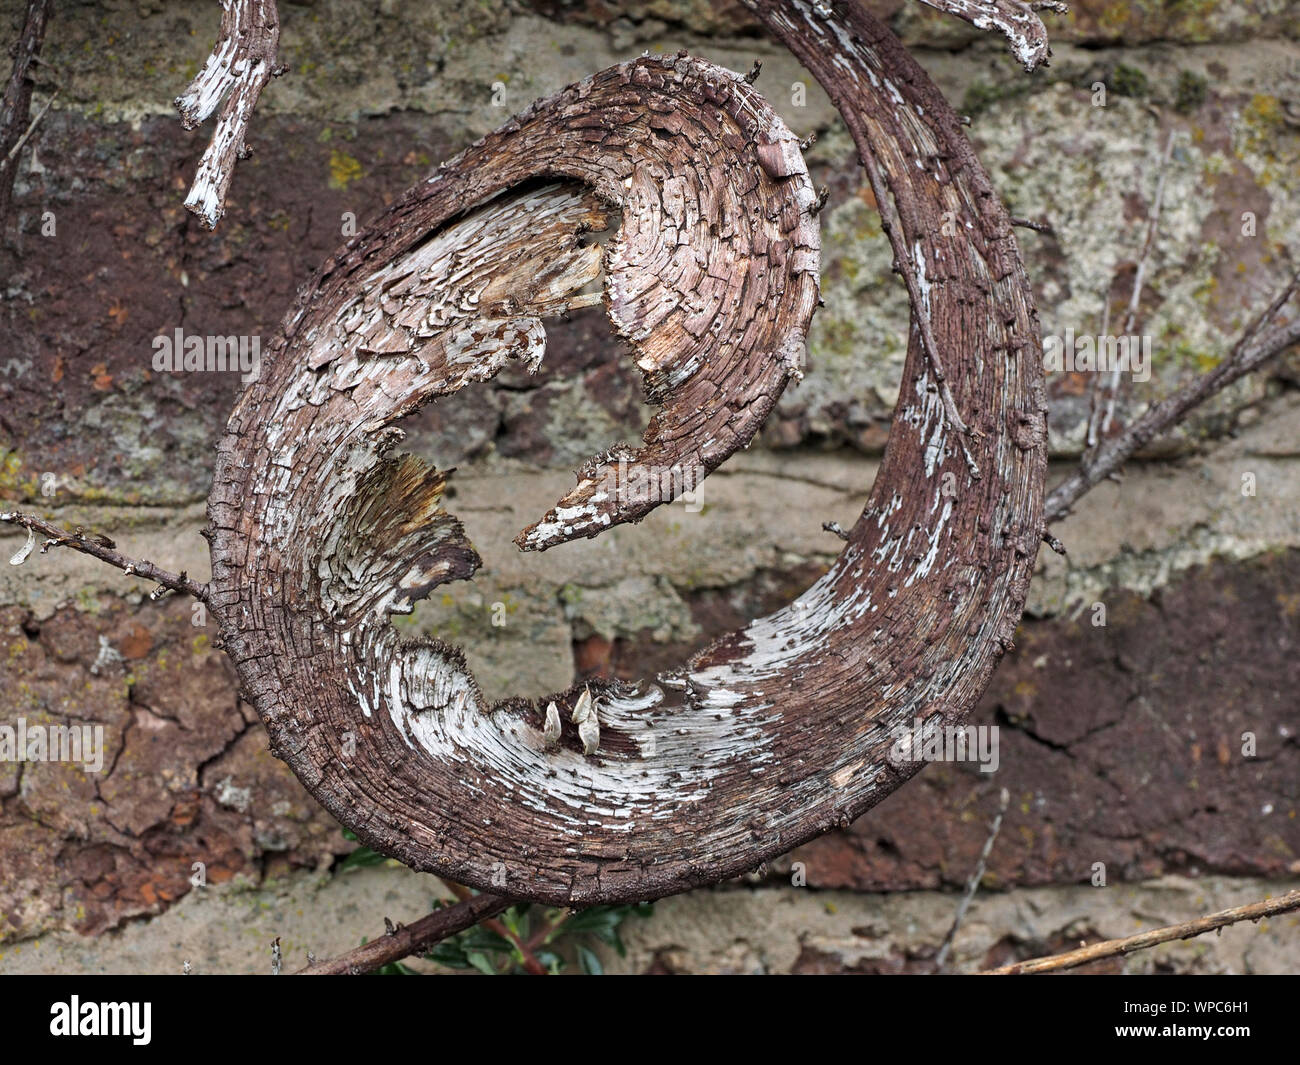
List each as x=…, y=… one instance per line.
x=1190, y=91
x=1129, y=81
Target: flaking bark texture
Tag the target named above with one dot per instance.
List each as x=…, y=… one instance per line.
x=1018, y=22
x=774, y=733
x=242, y=62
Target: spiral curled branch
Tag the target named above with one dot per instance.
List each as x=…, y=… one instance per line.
x=775, y=733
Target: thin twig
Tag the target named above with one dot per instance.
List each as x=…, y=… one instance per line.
x=412, y=938
x=1111, y=948
x=836, y=528
x=102, y=548
x=973, y=884
x=1250, y=352
x=1094, y=402
x=17, y=102
x=31, y=126
x=1135, y=299
x=1030, y=223
x=1139, y=279
x=1054, y=543
x=547, y=932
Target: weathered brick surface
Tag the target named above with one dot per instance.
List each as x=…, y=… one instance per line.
x=126, y=264
x=1119, y=744
x=186, y=777
x=1093, y=22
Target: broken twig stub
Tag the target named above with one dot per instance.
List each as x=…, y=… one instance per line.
x=243, y=60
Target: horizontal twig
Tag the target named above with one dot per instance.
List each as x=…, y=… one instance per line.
x=1112, y=948
x=102, y=548
x=1031, y=223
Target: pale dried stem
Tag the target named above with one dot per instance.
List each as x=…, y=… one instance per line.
x=972, y=885
x=1250, y=352
x=1112, y=948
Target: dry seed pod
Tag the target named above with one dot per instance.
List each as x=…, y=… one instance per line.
x=551, y=732
x=582, y=708
x=25, y=550
x=584, y=716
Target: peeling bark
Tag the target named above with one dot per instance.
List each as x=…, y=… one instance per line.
x=1017, y=22
x=243, y=60
x=773, y=734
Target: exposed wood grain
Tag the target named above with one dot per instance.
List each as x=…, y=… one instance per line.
x=774, y=733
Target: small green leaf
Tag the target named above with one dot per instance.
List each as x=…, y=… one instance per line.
x=481, y=963
x=362, y=857
x=449, y=953
x=484, y=941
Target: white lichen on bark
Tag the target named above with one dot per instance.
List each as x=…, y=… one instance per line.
x=241, y=63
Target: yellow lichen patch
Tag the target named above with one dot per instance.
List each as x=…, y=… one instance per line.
x=344, y=169
x=10, y=479
x=1263, y=109
x=1289, y=602
x=1114, y=18
x=1261, y=121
